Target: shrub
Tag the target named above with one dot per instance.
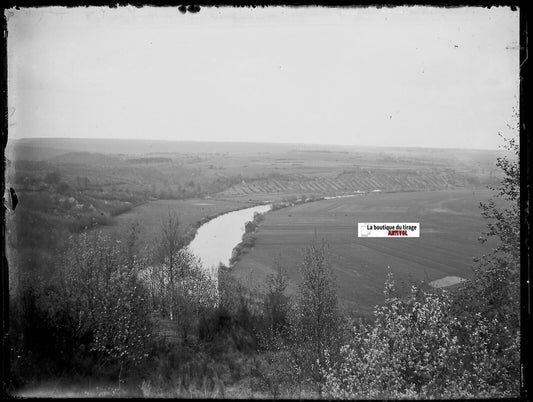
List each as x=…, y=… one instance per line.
x=274, y=368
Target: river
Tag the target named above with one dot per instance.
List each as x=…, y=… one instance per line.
x=215, y=240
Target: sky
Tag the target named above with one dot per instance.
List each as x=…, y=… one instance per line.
x=404, y=76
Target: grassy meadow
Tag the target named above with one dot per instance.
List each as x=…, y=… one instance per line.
x=190, y=212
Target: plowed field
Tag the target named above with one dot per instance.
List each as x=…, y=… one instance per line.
x=450, y=226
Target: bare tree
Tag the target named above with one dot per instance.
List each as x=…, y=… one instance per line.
x=171, y=243
x=179, y=287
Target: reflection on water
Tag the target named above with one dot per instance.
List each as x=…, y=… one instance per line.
x=215, y=240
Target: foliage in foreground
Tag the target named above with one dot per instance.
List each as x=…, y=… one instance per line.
x=413, y=349
x=99, y=311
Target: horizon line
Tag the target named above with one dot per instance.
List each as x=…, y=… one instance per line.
x=252, y=142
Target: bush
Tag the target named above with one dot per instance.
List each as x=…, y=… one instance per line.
x=274, y=369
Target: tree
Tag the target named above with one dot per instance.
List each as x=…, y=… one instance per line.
x=182, y=294
x=276, y=303
x=171, y=243
x=504, y=223
x=412, y=350
x=87, y=270
x=317, y=312
x=275, y=369
x=194, y=292
x=122, y=326
x=493, y=293
x=132, y=243
x=107, y=300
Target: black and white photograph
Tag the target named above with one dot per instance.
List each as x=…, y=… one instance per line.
x=266, y=202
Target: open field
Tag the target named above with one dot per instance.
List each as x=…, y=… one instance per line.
x=151, y=214
x=450, y=226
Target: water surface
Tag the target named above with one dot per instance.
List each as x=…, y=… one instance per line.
x=215, y=240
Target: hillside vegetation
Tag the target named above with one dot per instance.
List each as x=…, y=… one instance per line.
x=134, y=314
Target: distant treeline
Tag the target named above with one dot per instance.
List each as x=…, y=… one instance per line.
x=153, y=159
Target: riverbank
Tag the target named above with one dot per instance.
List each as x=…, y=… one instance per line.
x=248, y=239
